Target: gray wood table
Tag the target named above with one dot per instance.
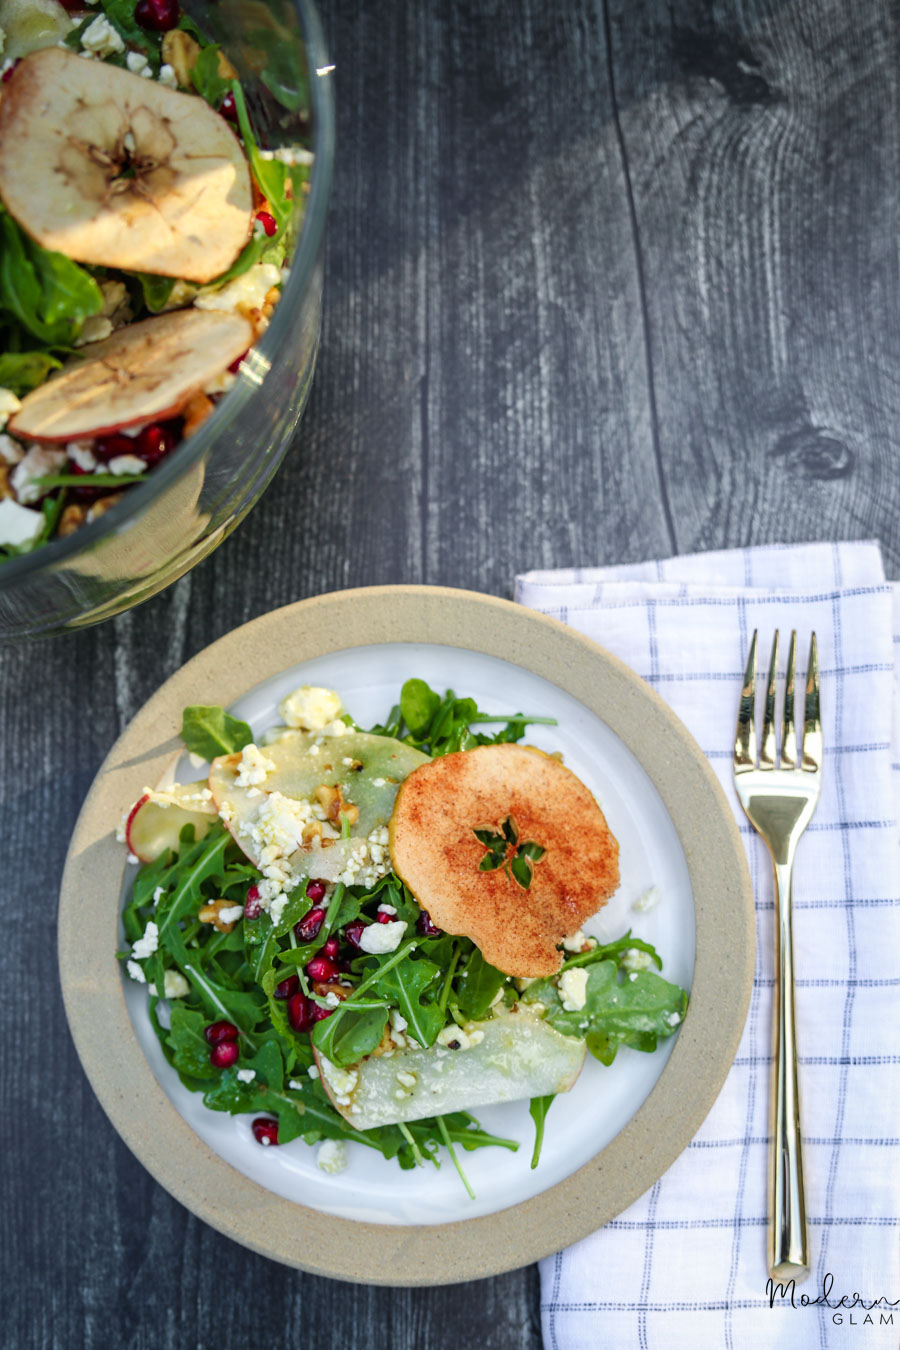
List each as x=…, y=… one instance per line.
x=607, y=280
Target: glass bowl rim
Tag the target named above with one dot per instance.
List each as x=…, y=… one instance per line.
x=142, y=495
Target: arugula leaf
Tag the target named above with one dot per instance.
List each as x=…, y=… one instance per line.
x=156, y=290
x=186, y=1041
x=21, y=371
x=636, y=1012
x=206, y=79
x=478, y=986
x=406, y=987
x=418, y=705
x=345, y=1040
x=46, y=292
x=211, y=731
x=538, y=1112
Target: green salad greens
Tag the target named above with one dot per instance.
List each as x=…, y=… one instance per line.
x=285, y=981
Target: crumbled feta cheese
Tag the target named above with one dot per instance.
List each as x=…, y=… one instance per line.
x=387, y=909
x=455, y=1038
x=167, y=76
x=9, y=404
x=18, y=524
x=336, y=728
x=246, y=292
x=11, y=451
x=101, y=39
x=80, y=453
x=332, y=1156
x=95, y=328
x=289, y=154
x=295, y=1083
x=136, y=62
x=634, y=959
x=313, y=1071
x=673, y=1019
x=341, y=1081
x=231, y=913
x=246, y=1075
x=174, y=985
x=146, y=945
x=379, y=938
x=40, y=460
x=649, y=900
x=121, y=464
x=132, y=859
x=253, y=767
x=135, y=972
x=573, y=987
x=277, y=908
x=575, y=942
x=310, y=708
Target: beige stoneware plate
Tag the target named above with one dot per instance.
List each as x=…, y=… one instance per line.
x=618, y=1130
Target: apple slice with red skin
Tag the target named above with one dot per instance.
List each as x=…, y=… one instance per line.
x=519, y=1056
x=144, y=372
x=156, y=820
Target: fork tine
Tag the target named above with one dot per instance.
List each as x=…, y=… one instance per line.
x=789, y=732
x=768, y=755
x=812, y=727
x=745, y=733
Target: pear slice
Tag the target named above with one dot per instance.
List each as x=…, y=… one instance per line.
x=109, y=168
x=436, y=851
x=145, y=371
x=156, y=820
x=32, y=24
x=518, y=1055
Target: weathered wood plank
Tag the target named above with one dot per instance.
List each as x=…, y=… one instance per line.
x=762, y=147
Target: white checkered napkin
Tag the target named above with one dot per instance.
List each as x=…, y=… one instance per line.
x=685, y=1266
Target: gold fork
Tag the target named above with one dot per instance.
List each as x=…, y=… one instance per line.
x=779, y=795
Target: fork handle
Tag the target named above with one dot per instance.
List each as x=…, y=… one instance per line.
x=788, y=1249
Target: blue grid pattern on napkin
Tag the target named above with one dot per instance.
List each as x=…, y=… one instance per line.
x=686, y=1264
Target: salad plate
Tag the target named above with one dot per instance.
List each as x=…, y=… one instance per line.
x=609, y=1138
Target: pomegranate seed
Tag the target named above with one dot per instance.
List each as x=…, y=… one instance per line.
x=236, y=363
x=382, y=917
x=268, y=222
x=220, y=1031
x=153, y=443
x=300, y=1012
x=109, y=447
x=315, y=891
x=353, y=932
x=320, y=1013
x=323, y=968
x=224, y=1054
x=7, y=74
x=331, y=947
x=309, y=925
x=252, y=904
x=265, y=1131
x=157, y=15
x=288, y=988
x=426, y=926
x=228, y=107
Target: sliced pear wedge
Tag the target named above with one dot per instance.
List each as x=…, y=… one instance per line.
x=145, y=371
x=518, y=1056
x=367, y=769
x=32, y=24
x=157, y=819
x=110, y=168
x=452, y=873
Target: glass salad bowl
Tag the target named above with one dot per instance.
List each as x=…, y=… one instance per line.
x=195, y=497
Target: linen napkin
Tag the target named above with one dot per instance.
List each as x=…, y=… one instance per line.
x=685, y=1266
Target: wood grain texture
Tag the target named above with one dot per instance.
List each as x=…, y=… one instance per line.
x=605, y=280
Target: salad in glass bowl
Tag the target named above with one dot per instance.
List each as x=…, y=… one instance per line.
x=361, y=936
x=144, y=243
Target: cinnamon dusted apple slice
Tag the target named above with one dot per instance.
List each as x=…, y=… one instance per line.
x=507, y=846
x=507, y=1058
x=157, y=818
x=144, y=371
x=109, y=168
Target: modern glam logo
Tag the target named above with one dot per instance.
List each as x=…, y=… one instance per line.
x=852, y=1309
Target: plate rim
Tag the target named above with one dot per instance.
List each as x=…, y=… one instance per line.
x=463, y=1249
